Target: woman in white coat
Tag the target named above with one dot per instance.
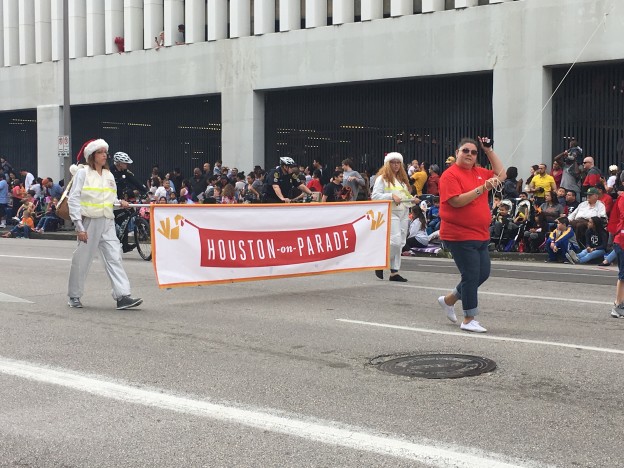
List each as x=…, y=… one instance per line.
x=392, y=184
x=91, y=200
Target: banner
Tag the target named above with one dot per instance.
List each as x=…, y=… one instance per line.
x=207, y=244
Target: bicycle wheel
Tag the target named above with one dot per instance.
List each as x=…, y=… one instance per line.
x=143, y=238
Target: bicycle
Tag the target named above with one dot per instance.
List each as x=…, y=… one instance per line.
x=137, y=224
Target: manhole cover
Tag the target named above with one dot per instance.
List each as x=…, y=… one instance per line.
x=438, y=366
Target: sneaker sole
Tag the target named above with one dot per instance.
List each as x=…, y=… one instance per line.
x=129, y=306
x=472, y=331
x=74, y=306
x=615, y=315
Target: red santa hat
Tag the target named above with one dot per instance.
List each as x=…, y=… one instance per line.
x=90, y=147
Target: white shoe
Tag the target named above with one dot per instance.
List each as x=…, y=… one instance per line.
x=450, y=310
x=2, y=225
x=473, y=326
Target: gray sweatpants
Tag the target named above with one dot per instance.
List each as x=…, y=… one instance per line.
x=101, y=235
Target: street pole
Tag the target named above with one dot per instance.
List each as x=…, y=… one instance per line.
x=66, y=105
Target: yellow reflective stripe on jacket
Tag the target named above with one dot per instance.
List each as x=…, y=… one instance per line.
x=397, y=188
x=99, y=189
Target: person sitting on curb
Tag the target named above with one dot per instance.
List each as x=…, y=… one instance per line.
x=596, y=241
x=23, y=228
x=560, y=240
x=585, y=211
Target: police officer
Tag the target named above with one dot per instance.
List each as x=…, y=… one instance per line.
x=280, y=182
x=127, y=183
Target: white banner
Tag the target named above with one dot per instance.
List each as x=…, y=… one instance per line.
x=207, y=244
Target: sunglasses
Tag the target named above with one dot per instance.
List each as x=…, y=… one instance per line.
x=468, y=151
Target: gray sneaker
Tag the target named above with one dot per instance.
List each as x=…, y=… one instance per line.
x=573, y=256
x=617, y=311
x=570, y=258
x=127, y=302
x=74, y=302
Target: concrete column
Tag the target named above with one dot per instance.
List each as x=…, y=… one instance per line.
x=26, y=31
x=195, y=17
x=466, y=3
x=43, y=32
x=174, y=15
x=1, y=34
x=113, y=24
x=316, y=14
x=11, y=33
x=429, y=6
x=264, y=17
x=133, y=24
x=56, y=18
x=401, y=7
x=517, y=100
x=77, y=28
x=49, y=124
x=217, y=19
x=289, y=15
x=95, y=28
x=372, y=10
x=240, y=18
x=343, y=11
x=242, y=127
x=153, y=22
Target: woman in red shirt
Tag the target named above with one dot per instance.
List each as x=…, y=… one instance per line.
x=465, y=220
x=618, y=246
x=433, y=181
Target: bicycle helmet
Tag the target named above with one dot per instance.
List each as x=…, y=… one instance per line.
x=286, y=161
x=121, y=157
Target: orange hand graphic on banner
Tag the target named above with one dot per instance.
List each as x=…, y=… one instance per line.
x=166, y=230
x=375, y=223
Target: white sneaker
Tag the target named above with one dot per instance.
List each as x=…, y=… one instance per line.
x=450, y=310
x=473, y=326
x=2, y=225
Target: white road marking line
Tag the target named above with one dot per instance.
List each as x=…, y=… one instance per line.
x=326, y=432
x=38, y=258
x=8, y=298
x=482, y=336
x=523, y=296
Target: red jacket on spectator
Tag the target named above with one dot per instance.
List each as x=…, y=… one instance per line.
x=607, y=200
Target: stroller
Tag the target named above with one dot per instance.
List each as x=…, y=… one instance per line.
x=522, y=218
x=503, y=231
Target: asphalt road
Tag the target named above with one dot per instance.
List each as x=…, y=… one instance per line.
x=278, y=373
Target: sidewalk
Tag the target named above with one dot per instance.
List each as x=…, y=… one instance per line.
x=62, y=234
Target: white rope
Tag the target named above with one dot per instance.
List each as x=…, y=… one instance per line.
x=604, y=21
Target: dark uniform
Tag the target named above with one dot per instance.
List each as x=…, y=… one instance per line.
x=127, y=183
x=287, y=184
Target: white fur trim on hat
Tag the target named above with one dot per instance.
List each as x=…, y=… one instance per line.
x=392, y=156
x=94, y=146
x=74, y=168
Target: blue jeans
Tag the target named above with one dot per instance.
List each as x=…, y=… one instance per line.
x=473, y=261
x=584, y=256
x=620, y=258
x=610, y=257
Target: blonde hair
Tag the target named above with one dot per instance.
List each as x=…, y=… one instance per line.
x=388, y=175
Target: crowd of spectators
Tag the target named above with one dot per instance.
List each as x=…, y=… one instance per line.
x=566, y=212
x=27, y=203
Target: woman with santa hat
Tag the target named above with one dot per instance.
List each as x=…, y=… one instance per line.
x=392, y=184
x=90, y=202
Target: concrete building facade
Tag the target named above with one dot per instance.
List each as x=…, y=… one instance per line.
x=240, y=50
